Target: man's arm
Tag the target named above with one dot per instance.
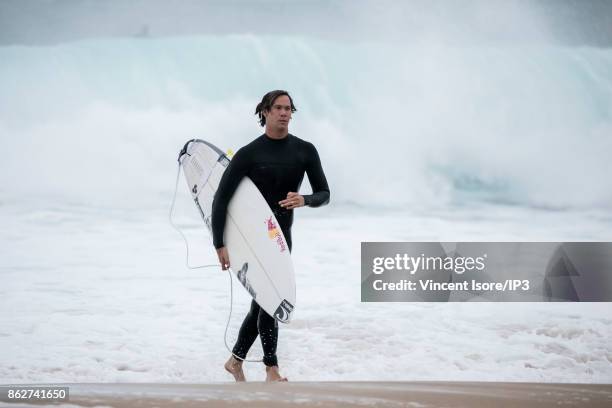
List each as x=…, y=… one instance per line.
x=232, y=176
x=318, y=182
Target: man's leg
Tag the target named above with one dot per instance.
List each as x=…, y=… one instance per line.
x=268, y=326
x=246, y=338
x=268, y=333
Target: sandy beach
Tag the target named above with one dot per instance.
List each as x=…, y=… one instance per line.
x=341, y=394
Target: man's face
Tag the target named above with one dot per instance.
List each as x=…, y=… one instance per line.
x=279, y=115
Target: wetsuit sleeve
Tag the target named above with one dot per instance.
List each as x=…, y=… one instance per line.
x=232, y=176
x=318, y=182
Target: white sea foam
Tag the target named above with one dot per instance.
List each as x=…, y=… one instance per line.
x=104, y=297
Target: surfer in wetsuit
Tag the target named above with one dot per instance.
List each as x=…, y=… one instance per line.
x=276, y=163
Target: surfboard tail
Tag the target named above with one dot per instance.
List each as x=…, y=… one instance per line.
x=283, y=311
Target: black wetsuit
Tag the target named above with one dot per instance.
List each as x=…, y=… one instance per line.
x=276, y=167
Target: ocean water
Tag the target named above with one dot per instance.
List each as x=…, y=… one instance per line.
x=395, y=125
x=418, y=142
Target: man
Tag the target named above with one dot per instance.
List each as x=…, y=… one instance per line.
x=276, y=162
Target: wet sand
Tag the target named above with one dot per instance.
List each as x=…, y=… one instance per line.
x=342, y=394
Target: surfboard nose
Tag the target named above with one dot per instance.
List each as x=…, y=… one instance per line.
x=184, y=150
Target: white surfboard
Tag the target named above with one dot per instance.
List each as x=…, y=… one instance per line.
x=258, y=251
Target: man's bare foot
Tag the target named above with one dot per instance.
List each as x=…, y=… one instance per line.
x=234, y=367
x=272, y=374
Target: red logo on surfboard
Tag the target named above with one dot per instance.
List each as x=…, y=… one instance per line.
x=274, y=233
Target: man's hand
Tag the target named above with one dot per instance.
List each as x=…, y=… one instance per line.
x=223, y=258
x=292, y=201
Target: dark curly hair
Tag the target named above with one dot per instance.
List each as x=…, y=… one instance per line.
x=266, y=104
